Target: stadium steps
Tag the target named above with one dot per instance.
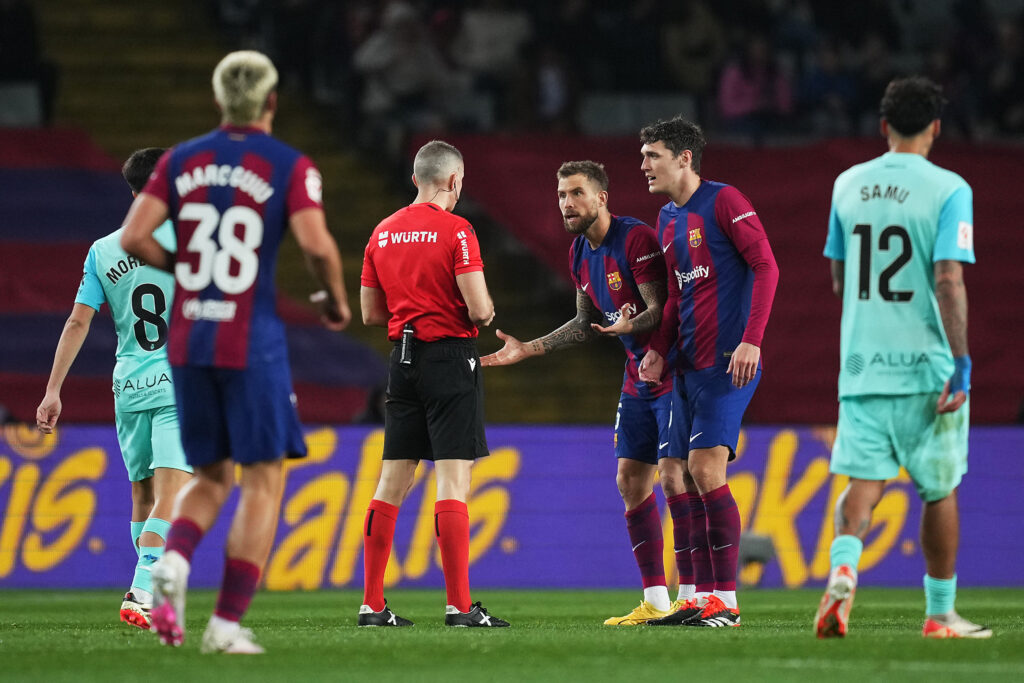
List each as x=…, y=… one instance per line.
x=137, y=75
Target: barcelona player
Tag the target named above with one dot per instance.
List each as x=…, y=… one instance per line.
x=232, y=194
x=900, y=230
x=147, y=422
x=619, y=272
x=722, y=280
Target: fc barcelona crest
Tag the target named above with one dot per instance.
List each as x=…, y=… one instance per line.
x=614, y=281
x=695, y=238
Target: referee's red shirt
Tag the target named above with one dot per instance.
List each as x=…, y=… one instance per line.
x=413, y=256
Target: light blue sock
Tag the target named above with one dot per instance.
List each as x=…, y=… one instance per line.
x=939, y=595
x=148, y=555
x=846, y=549
x=136, y=532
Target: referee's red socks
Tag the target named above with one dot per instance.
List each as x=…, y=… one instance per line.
x=451, y=524
x=723, y=536
x=378, y=532
x=644, y=525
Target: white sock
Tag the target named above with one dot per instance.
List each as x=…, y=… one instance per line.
x=686, y=592
x=728, y=597
x=658, y=597
x=222, y=624
x=144, y=597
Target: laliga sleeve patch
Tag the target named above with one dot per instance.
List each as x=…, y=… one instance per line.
x=965, y=236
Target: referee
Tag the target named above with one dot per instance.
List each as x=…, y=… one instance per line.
x=423, y=279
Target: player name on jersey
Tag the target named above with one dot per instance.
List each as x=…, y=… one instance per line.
x=224, y=175
x=123, y=267
x=893, y=192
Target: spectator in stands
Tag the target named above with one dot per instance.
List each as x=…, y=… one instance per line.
x=21, y=58
x=754, y=93
x=693, y=46
x=405, y=77
x=875, y=67
x=828, y=93
x=1006, y=78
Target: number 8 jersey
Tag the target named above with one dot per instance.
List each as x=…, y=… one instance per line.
x=892, y=218
x=230, y=194
x=139, y=298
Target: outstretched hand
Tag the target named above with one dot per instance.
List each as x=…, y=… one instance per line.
x=620, y=327
x=652, y=367
x=512, y=352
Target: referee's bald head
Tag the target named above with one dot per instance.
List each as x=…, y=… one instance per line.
x=435, y=162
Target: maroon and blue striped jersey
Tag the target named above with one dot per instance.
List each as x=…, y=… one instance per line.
x=722, y=277
x=230, y=194
x=610, y=275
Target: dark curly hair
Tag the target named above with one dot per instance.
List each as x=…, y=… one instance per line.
x=677, y=134
x=910, y=104
x=591, y=170
x=139, y=166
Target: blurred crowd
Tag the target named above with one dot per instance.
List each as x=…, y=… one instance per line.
x=752, y=67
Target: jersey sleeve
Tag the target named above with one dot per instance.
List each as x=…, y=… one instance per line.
x=835, y=246
x=159, y=183
x=955, y=238
x=644, y=254
x=368, y=278
x=466, y=250
x=305, y=187
x=90, y=292
x=736, y=215
x=572, y=265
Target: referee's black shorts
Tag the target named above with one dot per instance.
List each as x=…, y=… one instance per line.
x=434, y=408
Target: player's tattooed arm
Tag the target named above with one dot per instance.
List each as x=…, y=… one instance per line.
x=654, y=295
x=576, y=331
x=951, y=295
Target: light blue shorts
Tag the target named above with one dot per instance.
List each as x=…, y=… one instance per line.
x=879, y=434
x=150, y=439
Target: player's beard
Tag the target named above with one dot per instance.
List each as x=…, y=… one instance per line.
x=586, y=220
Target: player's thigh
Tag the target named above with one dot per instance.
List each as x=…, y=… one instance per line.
x=717, y=407
x=931, y=447
x=405, y=419
x=680, y=421
x=451, y=385
x=134, y=436
x=261, y=417
x=201, y=418
x=638, y=433
x=166, y=439
x=864, y=447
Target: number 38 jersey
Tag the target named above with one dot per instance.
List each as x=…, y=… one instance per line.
x=230, y=194
x=139, y=298
x=892, y=218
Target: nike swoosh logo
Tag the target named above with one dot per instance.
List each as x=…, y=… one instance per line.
x=662, y=445
x=682, y=550
x=639, y=544
x=695, y=436
x=584, y=287
x=666, y=248
x=721, y=547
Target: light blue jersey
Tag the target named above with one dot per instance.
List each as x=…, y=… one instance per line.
x=892, y=218
x=139, y=298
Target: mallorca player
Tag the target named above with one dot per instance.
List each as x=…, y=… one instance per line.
x=900, y=230
x=619, y=272
x=721, y=285
x=139, y=299
x=232, y=195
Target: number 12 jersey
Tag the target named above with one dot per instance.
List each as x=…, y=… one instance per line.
x=892, y=218
x=230, y=194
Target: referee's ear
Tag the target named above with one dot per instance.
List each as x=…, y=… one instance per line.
x=414, y=181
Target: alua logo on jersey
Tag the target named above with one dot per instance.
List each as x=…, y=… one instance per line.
x=695, y=238
x=614, y=281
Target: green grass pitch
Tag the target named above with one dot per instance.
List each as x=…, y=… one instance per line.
x=555, y=636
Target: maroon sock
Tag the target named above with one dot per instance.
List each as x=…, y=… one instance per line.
x=378, y=533
x=679, y=507
x=703, y=574
x=644, y=525
x=723, y=536
x=183, y=537
x=237, y=588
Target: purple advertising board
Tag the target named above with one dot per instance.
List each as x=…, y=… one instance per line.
x=544, y=512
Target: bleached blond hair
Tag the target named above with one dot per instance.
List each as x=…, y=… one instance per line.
x=241, y=83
